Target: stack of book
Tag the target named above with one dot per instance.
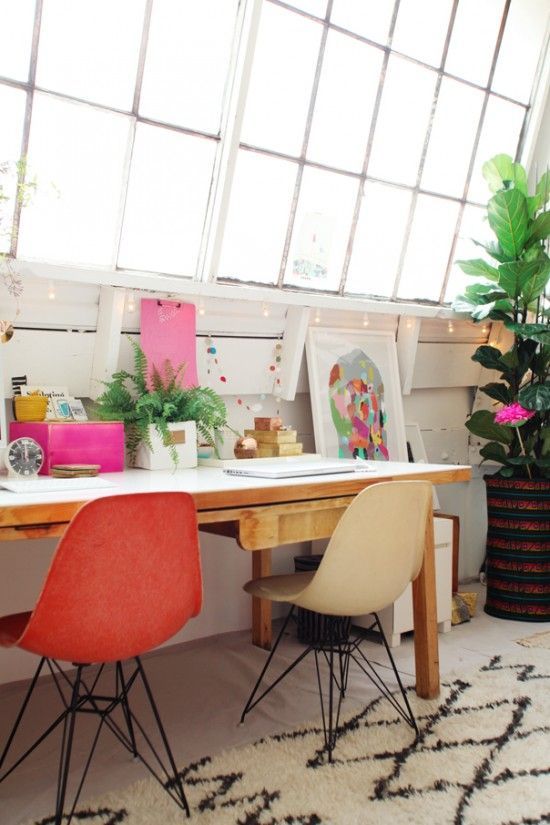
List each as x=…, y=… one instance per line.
x=74, y=470
x=274, y=442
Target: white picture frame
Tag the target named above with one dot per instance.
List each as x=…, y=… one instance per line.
x=418, y=452
x=378, y=431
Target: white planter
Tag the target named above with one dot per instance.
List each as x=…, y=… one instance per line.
x=184, y=437
x=224, y=439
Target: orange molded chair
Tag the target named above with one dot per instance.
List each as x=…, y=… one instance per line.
x=125, y=578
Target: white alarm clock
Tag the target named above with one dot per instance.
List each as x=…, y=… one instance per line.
x=24, y=457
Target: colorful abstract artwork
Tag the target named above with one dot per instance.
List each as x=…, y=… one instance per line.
x=356, y=397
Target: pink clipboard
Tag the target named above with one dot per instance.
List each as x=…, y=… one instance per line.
x=168, y=332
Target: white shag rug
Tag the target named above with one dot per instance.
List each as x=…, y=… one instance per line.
x=538, y=640
x=482, y=758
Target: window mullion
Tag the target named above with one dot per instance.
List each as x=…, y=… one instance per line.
x=132, y=135
x=27, y=124
x=246, y=36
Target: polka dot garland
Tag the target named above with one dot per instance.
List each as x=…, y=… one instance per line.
x=274, y=369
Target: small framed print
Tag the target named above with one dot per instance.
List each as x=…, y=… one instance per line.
x=62, y=409
x=77, y=409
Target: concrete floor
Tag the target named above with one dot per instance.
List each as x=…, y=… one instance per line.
x=200, y=688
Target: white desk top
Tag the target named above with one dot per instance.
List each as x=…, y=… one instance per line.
x=212, y=479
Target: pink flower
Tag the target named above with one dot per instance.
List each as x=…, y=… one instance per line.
x=513, y=414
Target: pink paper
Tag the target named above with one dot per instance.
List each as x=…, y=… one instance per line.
x=168, y=332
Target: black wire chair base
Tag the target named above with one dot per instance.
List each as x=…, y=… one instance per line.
x=338, y=650
x=78, y=696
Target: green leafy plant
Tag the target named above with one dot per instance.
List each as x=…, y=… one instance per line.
x=129, y=398
x=513, y=288
x=13, y=176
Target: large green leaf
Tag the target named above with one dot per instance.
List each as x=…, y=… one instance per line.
x=540, y=228
x=497, y=310
x=525, y=278
x=494, y=250
x=483, y=293
x=501, y=170
x=479, y=268
x=488, y=357
x=482, y=423
x=494, y=452
x=545, y=435
x=534, y=332
x=500, y=392
x=536, y=397
x=507, y=214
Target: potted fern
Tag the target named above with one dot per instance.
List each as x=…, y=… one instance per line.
x=162, y=419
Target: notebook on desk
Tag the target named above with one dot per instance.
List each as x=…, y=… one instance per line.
x=293, y=469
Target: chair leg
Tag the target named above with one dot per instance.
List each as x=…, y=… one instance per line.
x=177, y=780
x=21, y=713
x=66, y=749
x=251, y=702
x=411, y=720
x=123, y=688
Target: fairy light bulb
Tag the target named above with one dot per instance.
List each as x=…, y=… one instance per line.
x=202, y=310
x=450, y=326
x=317, y=318
x=131, y=303
x=265, y=310
x=366, y=321
x=409, y=323
x=51, y=291
x=484, y=329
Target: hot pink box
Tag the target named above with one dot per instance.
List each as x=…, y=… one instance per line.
x=76, y=442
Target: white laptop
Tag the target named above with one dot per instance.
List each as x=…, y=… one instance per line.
x=293, y=469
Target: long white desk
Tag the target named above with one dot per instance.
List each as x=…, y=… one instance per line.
x=260, y=514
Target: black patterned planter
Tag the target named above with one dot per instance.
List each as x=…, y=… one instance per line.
x=518, y=549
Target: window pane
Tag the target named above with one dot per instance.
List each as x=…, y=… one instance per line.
x=90, y=49
x=81, y=152
x=257, y=222
x=428, y=249
x=452, y=138
x=343, y=109
x=281, y=81
x=321, y=230
x=500, y=134
x=317, y=7
x=526, y=27
x=166, y=202
x=16, y=25
x=474, y=39
x=187, y=62
x=474, y=225
x=12, y=114
x=370, y=18
x=402, y=122
x=421, y=29
x=377, y=243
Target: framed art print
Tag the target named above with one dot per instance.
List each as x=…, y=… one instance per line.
x=356, y=395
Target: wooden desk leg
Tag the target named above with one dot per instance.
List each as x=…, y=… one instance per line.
x=261, y=608
x=426, y=651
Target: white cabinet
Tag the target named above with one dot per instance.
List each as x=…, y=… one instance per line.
x=398, y=617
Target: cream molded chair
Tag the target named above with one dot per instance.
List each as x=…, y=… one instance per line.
x=375, y=551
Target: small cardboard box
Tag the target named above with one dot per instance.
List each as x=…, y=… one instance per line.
x=76, y=442
x=268, y=423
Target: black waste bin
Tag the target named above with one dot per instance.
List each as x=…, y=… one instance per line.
x=317, y=628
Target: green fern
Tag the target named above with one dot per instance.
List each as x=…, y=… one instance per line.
x=128, y=398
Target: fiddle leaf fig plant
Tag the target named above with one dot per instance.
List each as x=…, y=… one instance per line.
x=513, y=287
x=140, y=403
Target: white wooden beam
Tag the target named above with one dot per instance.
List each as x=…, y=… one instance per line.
x=407, y=344
x=107, y=342
x=294, y=339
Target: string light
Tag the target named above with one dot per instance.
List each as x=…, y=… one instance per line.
x=131, y=303
x=366, y=321
x=317, y=318
x=409, y=323
x=202, y=310
x=450, y=327
x=484, y=329
x=265, y=310
x=51, y=291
